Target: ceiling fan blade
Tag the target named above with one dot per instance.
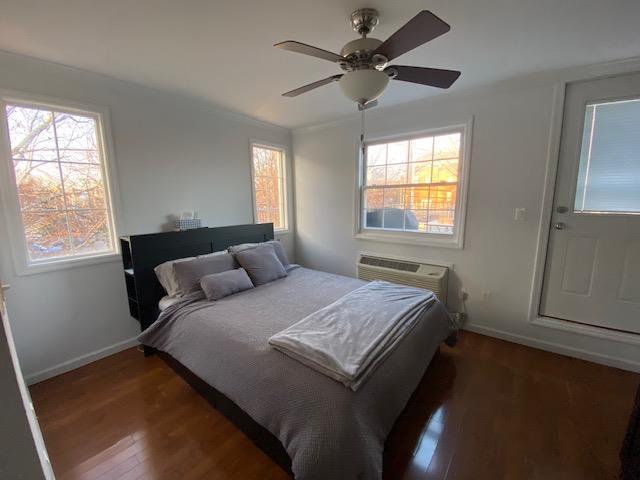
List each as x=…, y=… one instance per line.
x=311, y=86
x=425, y=26
x=305, y=49
x=434, y=77
x=368, y=105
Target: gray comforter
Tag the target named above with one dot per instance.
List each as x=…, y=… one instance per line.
x=329, y=431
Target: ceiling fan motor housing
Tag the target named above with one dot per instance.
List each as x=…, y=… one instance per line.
x=359, y=55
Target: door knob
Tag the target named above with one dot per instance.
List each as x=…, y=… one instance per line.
x=559, y=226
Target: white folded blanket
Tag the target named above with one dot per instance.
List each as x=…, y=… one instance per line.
x=348, y=339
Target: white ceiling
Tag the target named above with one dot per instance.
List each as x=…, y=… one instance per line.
x=221, y=51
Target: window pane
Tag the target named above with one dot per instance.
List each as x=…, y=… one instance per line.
x=373, y=218
x=417, y=197
x=266, y=162
x=396, y=174
x=89, y=231
x=376, y=155
x=374, y=198
x=440, y=217
x=393, y=218
x=83, y=185
x=76, y=138
x=31, y=133
x=440, y=229
x=443, y=197
x=609, y=171
x=80, y=156
x=267, y=191
x=268, y=183
x=39, y=185
x=263, y=213
x=421, y=149
x=416, y=220
x=46, y=235
x=394, y=198
x=445, y=171
x=420, y=172
x=398, y=152
x=376, y=175
x=267, y=213
x=447, y=146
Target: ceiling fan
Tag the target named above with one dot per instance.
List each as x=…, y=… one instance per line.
x=365, y=60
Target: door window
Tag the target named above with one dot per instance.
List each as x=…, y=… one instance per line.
x=609, y=171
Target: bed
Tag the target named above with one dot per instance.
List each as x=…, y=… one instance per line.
x=309, y=423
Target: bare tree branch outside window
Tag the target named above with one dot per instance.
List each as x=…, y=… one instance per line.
x=59, y=175
x=268, y=183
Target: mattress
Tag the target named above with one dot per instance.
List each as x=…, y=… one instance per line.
x=328, y=430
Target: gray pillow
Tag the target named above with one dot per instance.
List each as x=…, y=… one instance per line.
x=261, y=263
x=189, y=273
x=223, y=284
x=277, y=246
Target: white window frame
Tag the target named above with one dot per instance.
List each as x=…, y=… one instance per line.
x=456, y=240
x=284, y=190
x=10, y=198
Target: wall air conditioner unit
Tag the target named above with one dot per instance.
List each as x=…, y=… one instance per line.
x=404, y=272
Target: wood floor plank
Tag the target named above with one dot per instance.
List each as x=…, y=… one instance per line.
x=486, y=409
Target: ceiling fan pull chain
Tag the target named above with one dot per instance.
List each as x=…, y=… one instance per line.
x=362, y=132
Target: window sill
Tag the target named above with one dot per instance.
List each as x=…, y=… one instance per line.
x=52, y=266
x=282, y=232
x=410, y=239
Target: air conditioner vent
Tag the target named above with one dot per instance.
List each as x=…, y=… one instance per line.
x=388, y=263
x=415, y=274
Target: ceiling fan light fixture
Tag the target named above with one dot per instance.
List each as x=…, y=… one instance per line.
x=362, y=86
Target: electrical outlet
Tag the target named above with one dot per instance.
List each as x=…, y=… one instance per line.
x=486, y=295
x=459, y=317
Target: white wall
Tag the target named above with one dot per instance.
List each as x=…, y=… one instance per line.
x=172, y=154
x=511, y=136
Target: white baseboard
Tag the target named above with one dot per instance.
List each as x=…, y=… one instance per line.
x=604, y=359
x=77, y=362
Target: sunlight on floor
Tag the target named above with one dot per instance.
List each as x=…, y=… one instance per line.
x=423, y=454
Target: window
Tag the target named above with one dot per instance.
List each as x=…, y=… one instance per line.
x=411, y=188
x=268, y=171
x=60, y=186
x=609, y=171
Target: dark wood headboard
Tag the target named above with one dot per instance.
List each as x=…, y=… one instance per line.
x=141, y=253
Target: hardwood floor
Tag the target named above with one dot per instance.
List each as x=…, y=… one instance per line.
x=486, y=409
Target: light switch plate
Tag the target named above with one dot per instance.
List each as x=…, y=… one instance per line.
x=520, y=214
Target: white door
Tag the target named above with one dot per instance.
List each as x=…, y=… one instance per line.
x=24, y=454
x=592, y=275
